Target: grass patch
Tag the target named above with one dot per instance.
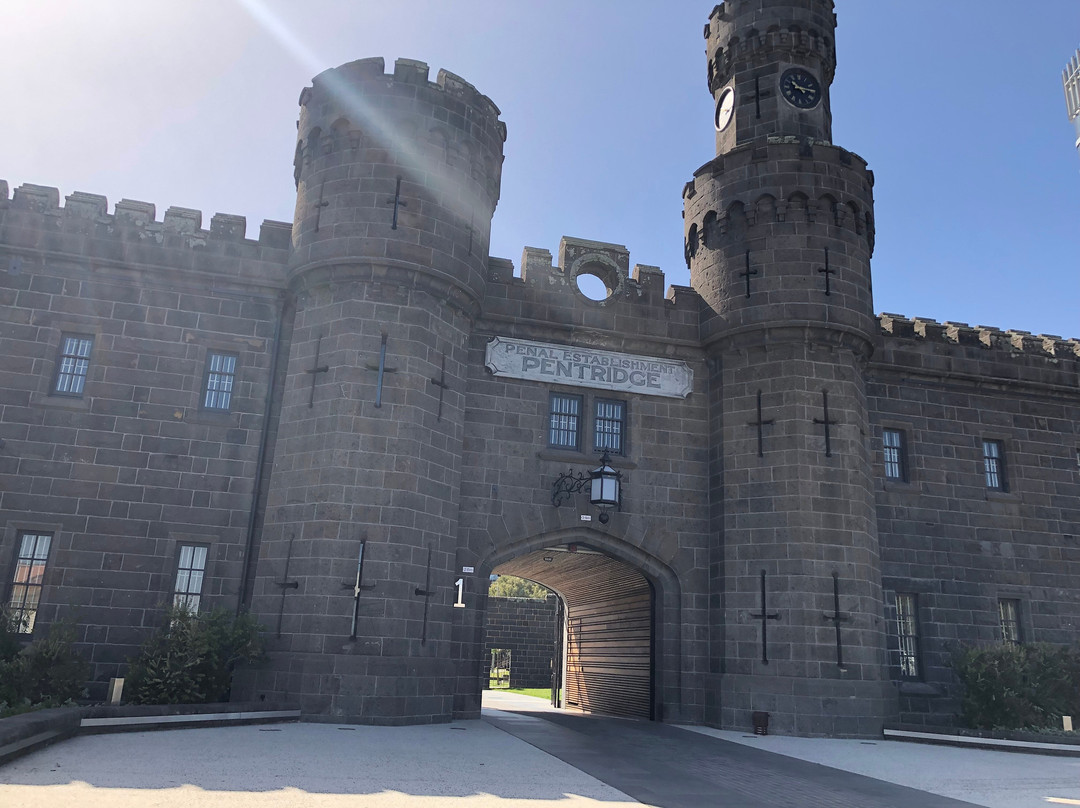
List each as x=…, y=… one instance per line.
x=536, y=692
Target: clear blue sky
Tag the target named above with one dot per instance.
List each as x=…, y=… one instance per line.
x=956, y=104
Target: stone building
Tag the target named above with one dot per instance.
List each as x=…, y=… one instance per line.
x=347, y=424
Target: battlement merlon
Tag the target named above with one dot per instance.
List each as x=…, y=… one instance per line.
x=990, y=338
x=338, y=80
x=34, y=220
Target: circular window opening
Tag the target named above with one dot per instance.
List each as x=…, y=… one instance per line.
x=597, y=283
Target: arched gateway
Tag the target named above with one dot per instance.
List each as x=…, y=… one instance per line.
x=617, y=608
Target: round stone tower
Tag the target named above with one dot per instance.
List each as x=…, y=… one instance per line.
x=397, y=179
x=779, y=234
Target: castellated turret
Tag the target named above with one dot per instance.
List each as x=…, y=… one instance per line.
x=397, y=179
x=398, y=170
x=779, y=232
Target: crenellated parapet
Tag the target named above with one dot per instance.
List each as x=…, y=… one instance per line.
x=395, y=170
x=735, y=37
x=34, y=221
x=344, y=130
x=985, y=337
x=748, y=203
x=984, y=354
x=782, y=229
x=547, y=293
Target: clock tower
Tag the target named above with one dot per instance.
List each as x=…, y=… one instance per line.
x=779, y=234
x=770, y=76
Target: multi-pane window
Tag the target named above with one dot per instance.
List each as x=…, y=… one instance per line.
x=220, y=377
x=564, y=431
x=72, y=363
x=28, y=580
x=1009, y=614
x=907, y=632
x=892, y=441
x=609, y=426
x=994, y=464
x=189, y=578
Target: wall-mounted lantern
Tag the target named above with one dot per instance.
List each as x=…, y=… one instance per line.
x=605, y=487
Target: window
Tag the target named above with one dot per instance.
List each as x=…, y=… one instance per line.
x=28, y=580
x=609, y=425
x=907, y=632
x=894, y=450
x=565, y=424
x=218, y=384
x=189, y=578
x=1009, y=613
x=994, y=464
x=72, y=364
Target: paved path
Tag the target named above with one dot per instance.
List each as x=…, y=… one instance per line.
x=593, y=762
x=461, y=765
x=670, y=767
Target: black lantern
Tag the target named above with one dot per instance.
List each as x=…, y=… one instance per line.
x=605, y=487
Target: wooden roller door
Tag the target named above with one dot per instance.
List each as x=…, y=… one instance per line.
x=608, y=628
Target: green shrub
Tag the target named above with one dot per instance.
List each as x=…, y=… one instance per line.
x=1018, y=686
x=46, y=673
x=191, y=658
x=510, y=586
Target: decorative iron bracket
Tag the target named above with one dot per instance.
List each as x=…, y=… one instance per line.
x=568, y=484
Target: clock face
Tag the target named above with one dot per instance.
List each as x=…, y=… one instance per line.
x=800, y=88
x=725, y=109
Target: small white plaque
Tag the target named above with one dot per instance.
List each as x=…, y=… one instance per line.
x=587, y=367
x=586, y=517
x=468, y=570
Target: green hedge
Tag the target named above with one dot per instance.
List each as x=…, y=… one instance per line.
x=46, y=673
x=1019, y=686
x=191, y=658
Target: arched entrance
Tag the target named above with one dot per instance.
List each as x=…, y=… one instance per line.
x=603, y=656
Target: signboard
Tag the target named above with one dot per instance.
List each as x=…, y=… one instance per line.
x=586, y=367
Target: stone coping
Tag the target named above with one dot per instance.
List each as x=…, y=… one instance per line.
x=1000, y=741
x=20, y=734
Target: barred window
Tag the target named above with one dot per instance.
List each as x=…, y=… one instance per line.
x=28, y=580
x=894, y=450
x=218, y=385
x=189, y=578
x=72, y=364
x=994, y=464
x=907, y=632
x=1009, y=614
x=565, y=423
x=609, y=426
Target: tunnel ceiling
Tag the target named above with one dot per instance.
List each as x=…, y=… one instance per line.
x=581, y=577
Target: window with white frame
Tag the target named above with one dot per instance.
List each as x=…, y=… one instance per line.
x=907, y=632
x=1009, y=615
x=894, y=454
x=564, y=431
x=189, y=577
x=219, y=380
x=72, y=365
x=994, y=464
x=28, y=580
x=609, y=425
